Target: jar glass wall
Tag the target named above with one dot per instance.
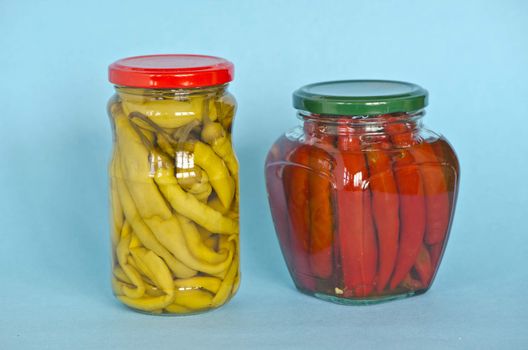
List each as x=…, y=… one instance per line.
x=362, y=204
x=174, y=198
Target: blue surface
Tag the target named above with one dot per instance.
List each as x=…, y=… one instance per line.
x=472, y=56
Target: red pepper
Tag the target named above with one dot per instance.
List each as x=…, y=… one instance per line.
x=321, y=211
x=356, y=228
x=296, y=182
x=277, y=197
x=435, y=187
x=451, y=169
x=385, y=205
x=412, y=203
x=445, y=152
x=423, y=266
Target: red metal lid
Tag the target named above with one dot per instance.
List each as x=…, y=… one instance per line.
x=171, y=71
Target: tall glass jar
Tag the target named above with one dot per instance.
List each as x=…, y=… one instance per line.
x=174, y=184
x=362, y=195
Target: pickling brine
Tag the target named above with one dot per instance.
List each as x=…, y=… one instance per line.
x=362, y=203
x=174, y=184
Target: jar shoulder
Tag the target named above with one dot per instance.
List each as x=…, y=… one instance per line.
x=173, y=109
x=445, y=152
x=425, y=146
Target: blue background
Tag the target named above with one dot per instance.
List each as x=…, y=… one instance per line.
x=472, y=56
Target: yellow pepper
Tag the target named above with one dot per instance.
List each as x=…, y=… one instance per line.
x=174, y=191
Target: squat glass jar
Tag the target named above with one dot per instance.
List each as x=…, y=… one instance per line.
x=173, y=184
x=362, y=195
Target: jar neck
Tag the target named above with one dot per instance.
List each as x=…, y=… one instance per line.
x=392, y=123
x=176, y=94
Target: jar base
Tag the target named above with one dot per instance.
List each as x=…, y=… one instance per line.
x=364, y=301
x=172, y=314
x=176, y=314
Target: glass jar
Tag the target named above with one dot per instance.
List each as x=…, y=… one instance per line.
x=173, y=184
x=362, y=195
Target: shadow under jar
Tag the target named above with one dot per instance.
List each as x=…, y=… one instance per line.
x=174, y=184
x=362, y=195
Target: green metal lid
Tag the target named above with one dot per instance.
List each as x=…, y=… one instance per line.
x=360, y=97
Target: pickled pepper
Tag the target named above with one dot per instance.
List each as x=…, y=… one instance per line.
x=356, y=228
x=364, y=182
